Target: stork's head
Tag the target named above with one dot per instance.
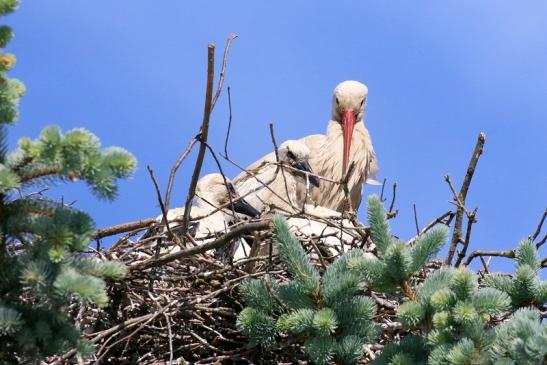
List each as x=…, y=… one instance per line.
x=349, y=101
x=213, y=190
x=297, y=154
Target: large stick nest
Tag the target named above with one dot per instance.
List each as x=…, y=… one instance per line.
x=185, y=310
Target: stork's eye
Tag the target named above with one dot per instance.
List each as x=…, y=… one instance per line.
x=362, y=102
x=337, y=101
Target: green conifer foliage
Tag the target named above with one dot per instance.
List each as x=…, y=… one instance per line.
x=451, y=313
x=328, y=312
x=525, y=287
x=396, y=261
x=521, y=340
x=42, y=269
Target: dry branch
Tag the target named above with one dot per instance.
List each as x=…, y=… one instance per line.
x=203, y=134
x=461, y=197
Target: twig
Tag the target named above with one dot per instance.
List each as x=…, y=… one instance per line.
x=204, y=131
x=279, y=167
x=457, y=234
x=540, y=225
x=124, y=227
x=391, y=213
x=509, y=254
x=225, y=180
x=432, y=224
x=382, y=199
x=229, y=123
x=174, y=170
x=229, y=41
x=225, y=238
x=471, y=218
x=541, y=241
x=416, y=219
x=162, y=207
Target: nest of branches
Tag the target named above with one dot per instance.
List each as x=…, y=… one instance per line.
x=182, y=307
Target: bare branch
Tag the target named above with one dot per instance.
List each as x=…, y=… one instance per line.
x=509, y=254
x=229, y=123
x=124, y=227
x=416, y=219
x=163, y=210
x=174, y=170
x=457, y=234
x=471, y=219
x=392, y=214
x=540, y=226
x=204, y=131
x=229, y=41
x=222, y=240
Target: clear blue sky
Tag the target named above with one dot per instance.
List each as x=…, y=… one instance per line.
x=133, y=72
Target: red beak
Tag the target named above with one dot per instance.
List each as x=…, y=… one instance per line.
x=348, y=122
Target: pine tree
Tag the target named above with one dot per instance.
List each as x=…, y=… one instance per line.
x=396, y=261
x=525, y=287
x=42, y=269
x=328, y=312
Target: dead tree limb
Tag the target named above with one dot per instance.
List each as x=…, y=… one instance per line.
x=124, y=227
x=222, y=240
x=457, y=234
x=203, y=133
x=509, y=254
x=471, y=219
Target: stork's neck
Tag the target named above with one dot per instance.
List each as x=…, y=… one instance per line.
x=332, y=150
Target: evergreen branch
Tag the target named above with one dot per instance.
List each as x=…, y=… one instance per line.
x=40, y=174
x=461, y=197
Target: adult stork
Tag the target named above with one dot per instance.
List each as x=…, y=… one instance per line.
x=347, y=142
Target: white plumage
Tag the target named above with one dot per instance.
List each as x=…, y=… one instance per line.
x=264, y=184
x=207, y=221
x=347, y=141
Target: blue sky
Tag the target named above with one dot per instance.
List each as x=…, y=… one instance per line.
x=133, y=72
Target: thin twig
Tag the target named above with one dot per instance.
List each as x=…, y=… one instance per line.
x=279, y=167
x=471, y=219
x=174, y=170
x=229, y=41
x=416, y=219
x=382, y=199
x=540, y=225
x=448, y=216
x=391, y=213
x=162, y=207
x=509, y=254
x=229, y=123
x=457, y=233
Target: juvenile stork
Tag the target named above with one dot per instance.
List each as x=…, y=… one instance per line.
x=207, y=221
x=285, y=185
x=347, y=142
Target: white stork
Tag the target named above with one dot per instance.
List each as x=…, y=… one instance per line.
x=207, y=221
x=347, y=142
x=285, y=186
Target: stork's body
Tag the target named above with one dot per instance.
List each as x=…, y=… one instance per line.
x=283, y=186
x=347, y=142
x=207, y=220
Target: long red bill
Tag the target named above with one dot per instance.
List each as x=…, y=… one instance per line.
x=348, y=122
